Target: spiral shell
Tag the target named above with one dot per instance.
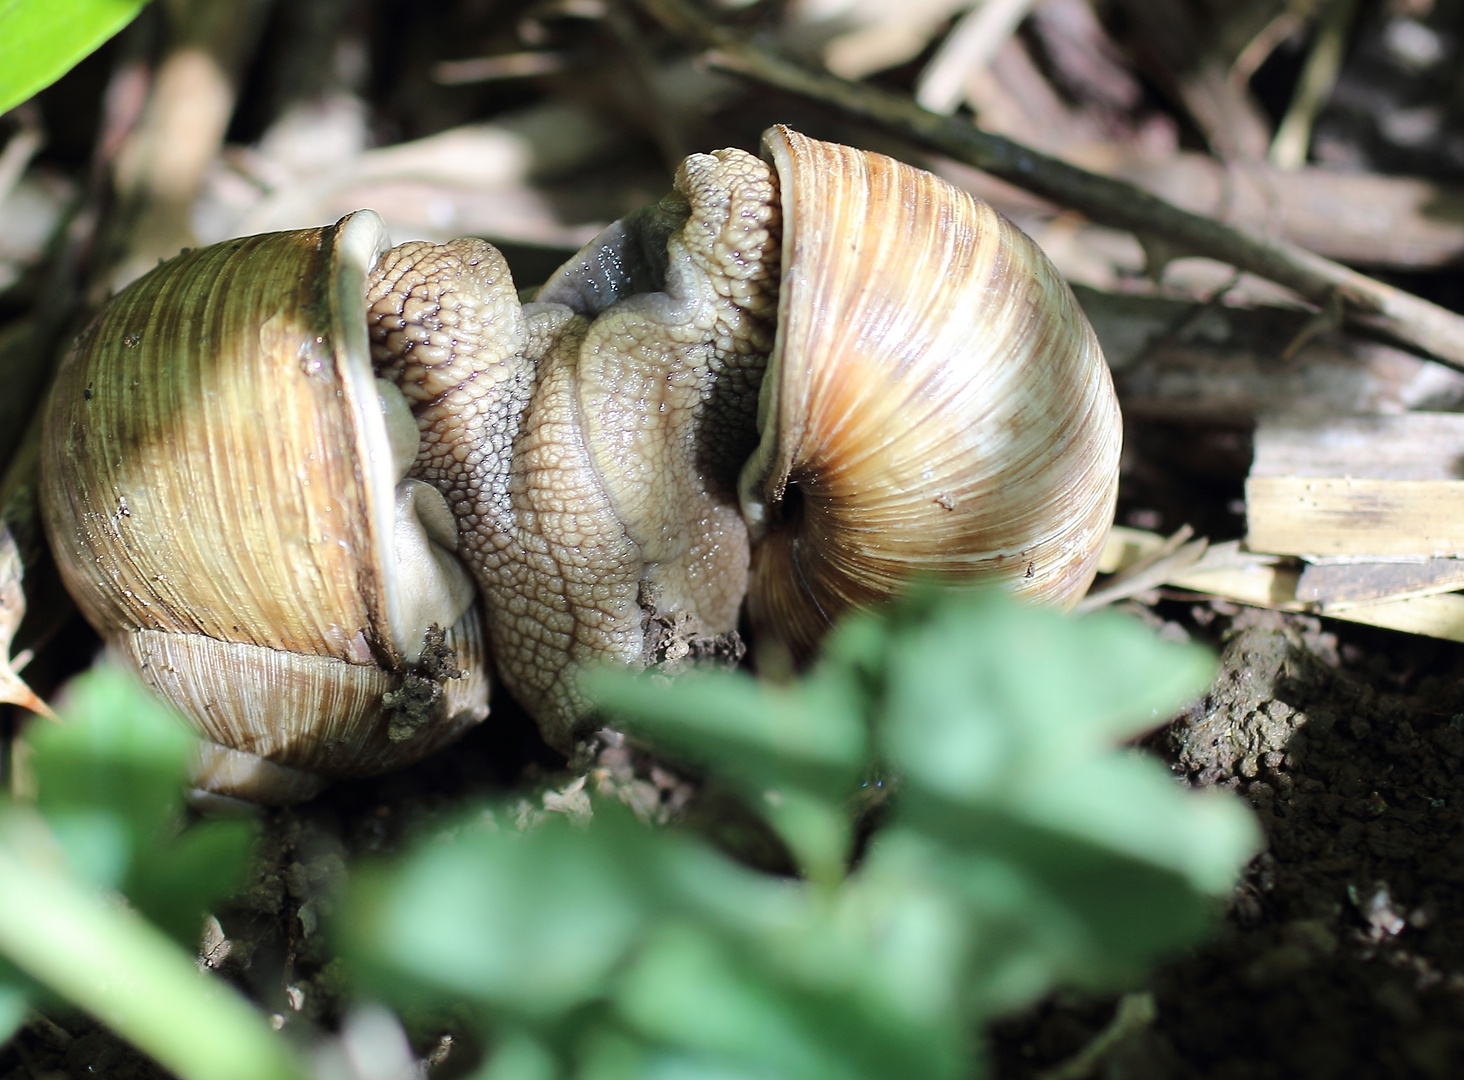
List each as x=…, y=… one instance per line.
x=222, y=479
x=935, y=405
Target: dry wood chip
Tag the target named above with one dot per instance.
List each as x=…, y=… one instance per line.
x=1343, y=584
x=12, y=609
x=1229, y=572
x=1365, y=489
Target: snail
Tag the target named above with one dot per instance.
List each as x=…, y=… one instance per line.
x=799, y=379
x=223, y=486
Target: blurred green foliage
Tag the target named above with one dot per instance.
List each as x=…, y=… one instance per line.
x=950, y=779
x=41, y=40
x=107, y=821
x=109, y=783
x=1020, y=846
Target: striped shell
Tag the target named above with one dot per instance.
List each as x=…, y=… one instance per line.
x=224, y=492
x=936, y=403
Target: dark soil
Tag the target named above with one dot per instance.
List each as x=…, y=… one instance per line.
x=1341, y=955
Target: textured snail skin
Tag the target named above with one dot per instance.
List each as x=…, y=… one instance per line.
x=589, y=443
x=935, y=399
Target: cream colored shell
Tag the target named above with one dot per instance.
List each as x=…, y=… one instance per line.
x=224, y=495
x=936, y=404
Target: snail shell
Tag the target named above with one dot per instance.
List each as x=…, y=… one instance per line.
x=936, y=403
x=221, y=478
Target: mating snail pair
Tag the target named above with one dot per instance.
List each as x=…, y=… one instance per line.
x=799, y=381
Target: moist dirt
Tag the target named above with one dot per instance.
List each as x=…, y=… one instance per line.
x=1342, y=952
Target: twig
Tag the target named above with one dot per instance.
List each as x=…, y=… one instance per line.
x=1259, y=49
x=969, y=47
x=1177, y=38
x=1186, y=326
x=17, y=155
x=163, y=162
x=1368, y=303
x=518, y=65
x=1329, y=318
x=667, y=122
x=1135, y=1012
x=1166, y=561
x=1293, y=137
x=1380, y=221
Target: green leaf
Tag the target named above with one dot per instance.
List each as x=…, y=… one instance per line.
x=985, y=694
x=1022, y=847
x=685, y=991
x=795, y=752
x=110, y=780
x=911, y=931
x=690, y=991
x=1121, y=805
x=529, y=923
x=177, y=881
x=810, y=734
x=818, y=832
x=610, y=1054
x=519, y=1056
x=117, y=750
x=1131, y=805
x=1082, y=912
x=97, y=843
x=41, y=40
x=1014, y=926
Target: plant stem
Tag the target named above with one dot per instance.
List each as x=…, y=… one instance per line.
x=1314, y=87
x=125, y=972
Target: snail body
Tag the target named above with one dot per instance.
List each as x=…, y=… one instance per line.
x=811, y=377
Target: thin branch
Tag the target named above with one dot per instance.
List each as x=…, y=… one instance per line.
x=1318, y=77
x=1370, y=304
x=974, y=42
x=1259, y=49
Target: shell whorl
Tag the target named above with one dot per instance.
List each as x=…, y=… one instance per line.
x=222, y=485
x=936, y=403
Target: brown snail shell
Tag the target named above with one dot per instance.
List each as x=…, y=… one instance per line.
x=222, y=493
x=936, y=403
